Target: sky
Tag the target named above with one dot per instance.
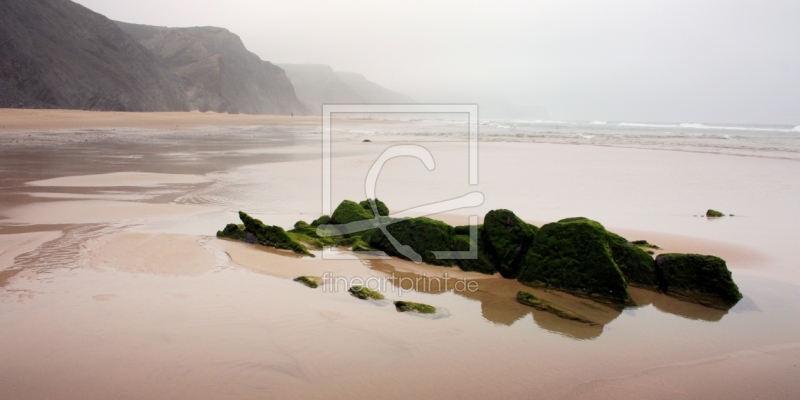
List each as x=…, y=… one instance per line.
x=679, y=61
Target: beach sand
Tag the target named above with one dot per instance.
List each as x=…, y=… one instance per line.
x=115, y=286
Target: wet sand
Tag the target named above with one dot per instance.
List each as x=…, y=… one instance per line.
x=117, y=288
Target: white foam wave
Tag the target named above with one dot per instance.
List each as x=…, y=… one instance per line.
x=636, y=124
x=598, y=123
x=712, y=127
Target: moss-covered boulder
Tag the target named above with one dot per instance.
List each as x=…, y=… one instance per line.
x=310, y=281
x=423, y=235
x=697, y=278
x=381, y=206
x=529, y=299
x=349, y=211
x=635, y=264
x=307, y=234
x=645, y=244
x=506, y=239
x=273, y=236
x=480, y=264
x=573, y=255
x=365, y=293
x=321, y=221
x=419, y=308
x=714, y=214
x=232, y=231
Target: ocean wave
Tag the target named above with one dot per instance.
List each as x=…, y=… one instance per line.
x=637, y=124
x=688, y=125
x=598, y=123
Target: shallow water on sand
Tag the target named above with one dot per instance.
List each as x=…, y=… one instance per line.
x=135, y=298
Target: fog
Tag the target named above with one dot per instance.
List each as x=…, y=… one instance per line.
x=657, y=61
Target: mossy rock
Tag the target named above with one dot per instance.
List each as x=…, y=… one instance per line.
x=714, y=214
x=381, y=206
x=231, y=231
x=423, y=235
x=365, y=293
x=349, y=211
x=273, y=236
x=310, y=281
x=697, y=278
x=306, y=233
x=360, y=245
x=573, y=255
x=419, y=308
x=506, y=239
x=321, y=221
x=530, y=300
x=481, y=264
x=635, y=264
x=644, y=244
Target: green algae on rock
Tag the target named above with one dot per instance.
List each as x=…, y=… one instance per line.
x=321, y=221
x=269, y=235
x=310, y=281
x=530, y=300
x=365, y=293
x=423, y=235
x=573, y=255
x=420, y=308
x=698, y=278
x=645, y=244
x=349, y=211
x=506, y=239
x=480, y=264
x=307, y=234
x=232, y=231
x=383, y=211
x=635, y=264
x=714, y=214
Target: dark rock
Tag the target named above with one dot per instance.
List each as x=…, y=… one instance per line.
x=574, y=255
x=273, y=236
x=423, y=235
x=697, y=278
x=381, y=206
x=310, y=281
x=349, y=211
x=461, y=242
x=506, y=239
x=714, y=214
x=419, y=308
x=364, y=293
x=232, y=231
x=635, y=264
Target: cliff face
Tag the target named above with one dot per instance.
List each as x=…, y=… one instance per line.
x=317, y=84
x=218, y=72
x=371, y=92
x=55, y=53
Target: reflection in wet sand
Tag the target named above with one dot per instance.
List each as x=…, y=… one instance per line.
x=672, y=305
x=497, y=297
